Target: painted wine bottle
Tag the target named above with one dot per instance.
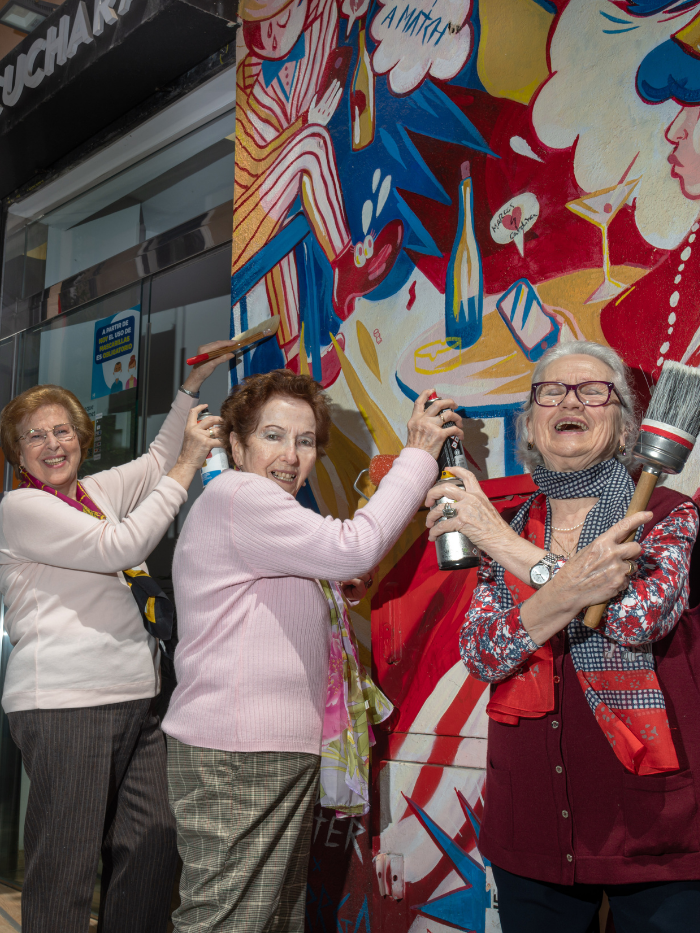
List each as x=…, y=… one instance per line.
x=454, y=550
x=464, y=287
x=362, y=95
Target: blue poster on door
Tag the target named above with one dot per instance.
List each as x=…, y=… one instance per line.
x=115, y=360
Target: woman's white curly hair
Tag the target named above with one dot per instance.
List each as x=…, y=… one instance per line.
x=620, y=378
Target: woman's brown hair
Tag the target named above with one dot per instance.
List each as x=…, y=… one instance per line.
x=241, y=410
x=26, y=404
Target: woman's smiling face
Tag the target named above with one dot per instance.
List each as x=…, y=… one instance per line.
x=56, y=462
x=574, y=436
x=283, y=445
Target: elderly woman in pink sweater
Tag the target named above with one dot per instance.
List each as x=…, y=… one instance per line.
x=246, y=719
x=83, y=672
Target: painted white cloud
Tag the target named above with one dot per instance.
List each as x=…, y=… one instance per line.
x=591, y=97
x=420, y=37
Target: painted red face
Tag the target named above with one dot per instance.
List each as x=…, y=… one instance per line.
x=277, y=36
x=684, y=136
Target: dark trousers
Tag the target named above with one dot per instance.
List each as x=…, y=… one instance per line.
x=528, y=906
x=98, y=787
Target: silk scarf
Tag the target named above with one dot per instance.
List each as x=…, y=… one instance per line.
x=353, y=705
x=157, y=612
x=620, y=684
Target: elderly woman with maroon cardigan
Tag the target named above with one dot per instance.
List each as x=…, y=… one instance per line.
x=594, y=735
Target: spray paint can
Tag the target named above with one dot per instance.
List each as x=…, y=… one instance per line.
x=454, y=550
x=216, y=461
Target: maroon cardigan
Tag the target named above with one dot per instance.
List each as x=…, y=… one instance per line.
x=560, y=807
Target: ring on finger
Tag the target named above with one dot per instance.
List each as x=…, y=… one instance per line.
x=449, y=511
x=211, y=432
x=368, y=583
x=442, y=415
x=632, y=568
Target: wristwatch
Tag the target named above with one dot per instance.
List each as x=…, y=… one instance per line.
x=543, y=571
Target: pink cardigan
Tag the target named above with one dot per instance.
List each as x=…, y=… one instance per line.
x=252, y=662
x=77, y=633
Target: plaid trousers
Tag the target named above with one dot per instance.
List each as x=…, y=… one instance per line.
x=244, y=823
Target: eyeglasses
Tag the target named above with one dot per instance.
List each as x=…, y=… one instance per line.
x=37, y=438
x=592, y=394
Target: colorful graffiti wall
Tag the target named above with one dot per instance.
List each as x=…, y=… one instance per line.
x=432, y=193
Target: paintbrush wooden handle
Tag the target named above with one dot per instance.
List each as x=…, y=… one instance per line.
x=259, y=332
x=640, y=500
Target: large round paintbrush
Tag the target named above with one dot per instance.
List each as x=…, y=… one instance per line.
x=667, y=435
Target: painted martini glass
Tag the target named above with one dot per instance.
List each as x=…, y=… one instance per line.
x=599, y=208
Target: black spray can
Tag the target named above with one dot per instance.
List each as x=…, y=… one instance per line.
x=454, y=550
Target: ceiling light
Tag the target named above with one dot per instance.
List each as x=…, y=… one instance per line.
x=25, y=15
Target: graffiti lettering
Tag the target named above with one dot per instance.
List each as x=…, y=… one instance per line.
x=414, y=21
x=377, y=335
x=332, y=832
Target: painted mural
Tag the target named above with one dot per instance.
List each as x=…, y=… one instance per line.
x=432, y=193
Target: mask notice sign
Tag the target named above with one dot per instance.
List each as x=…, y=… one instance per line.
x=115, y=361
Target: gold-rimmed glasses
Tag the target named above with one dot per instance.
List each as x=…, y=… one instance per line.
x=35, y=437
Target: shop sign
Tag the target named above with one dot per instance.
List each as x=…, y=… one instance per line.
x=58, y=45
x=115, y=361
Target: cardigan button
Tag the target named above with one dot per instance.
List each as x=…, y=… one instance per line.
x=556, y=679
x=565, y=814
x=559, y=769
x=555, y=724
x=569, y=858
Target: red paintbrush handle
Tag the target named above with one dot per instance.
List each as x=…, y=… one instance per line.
x=202, y=358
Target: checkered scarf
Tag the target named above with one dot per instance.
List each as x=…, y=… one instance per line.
x=619, y=683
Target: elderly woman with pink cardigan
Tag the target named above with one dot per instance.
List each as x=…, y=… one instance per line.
x=245, y=721
x=83, y=671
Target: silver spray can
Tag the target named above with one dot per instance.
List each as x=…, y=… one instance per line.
x=454, y=550
x=216, y=461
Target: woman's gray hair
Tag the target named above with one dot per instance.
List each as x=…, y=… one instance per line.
x=621, y=380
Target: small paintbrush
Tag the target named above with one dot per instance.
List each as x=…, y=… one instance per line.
x=260, y=332
x=667, y=435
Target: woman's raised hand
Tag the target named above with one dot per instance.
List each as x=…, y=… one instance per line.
x=476, y=517
x=200, y=437
x=356, y=589
x=202, y=371
x=425, y=427
x=601, y=571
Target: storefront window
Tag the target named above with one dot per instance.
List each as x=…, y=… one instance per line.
x=94, y=352
x=189, y=306
x=159, y=193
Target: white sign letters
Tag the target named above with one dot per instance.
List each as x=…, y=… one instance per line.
x=58, y=45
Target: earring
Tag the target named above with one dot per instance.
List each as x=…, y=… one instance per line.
x=530, y=445
x=621, y=449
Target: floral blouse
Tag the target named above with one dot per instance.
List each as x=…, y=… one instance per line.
x=493, y=641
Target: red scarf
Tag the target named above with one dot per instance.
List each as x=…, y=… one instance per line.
x=640, y=737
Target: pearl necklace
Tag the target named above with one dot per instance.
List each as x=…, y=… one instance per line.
x=569, y=529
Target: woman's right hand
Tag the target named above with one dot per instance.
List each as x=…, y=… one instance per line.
x=601, y=571
x=425, y=427
x=196, y=444
x=596, y=574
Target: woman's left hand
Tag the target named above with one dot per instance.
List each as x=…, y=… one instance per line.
x=356, y=589
x=202, y=371
x=476, y=517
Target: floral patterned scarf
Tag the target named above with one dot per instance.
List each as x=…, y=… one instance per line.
x=353, y=705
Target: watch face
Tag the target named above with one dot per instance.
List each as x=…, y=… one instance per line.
x=540, y=574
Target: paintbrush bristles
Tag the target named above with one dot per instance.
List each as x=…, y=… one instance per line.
x=676, y=398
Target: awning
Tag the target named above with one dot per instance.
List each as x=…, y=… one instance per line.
x=91, y=62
